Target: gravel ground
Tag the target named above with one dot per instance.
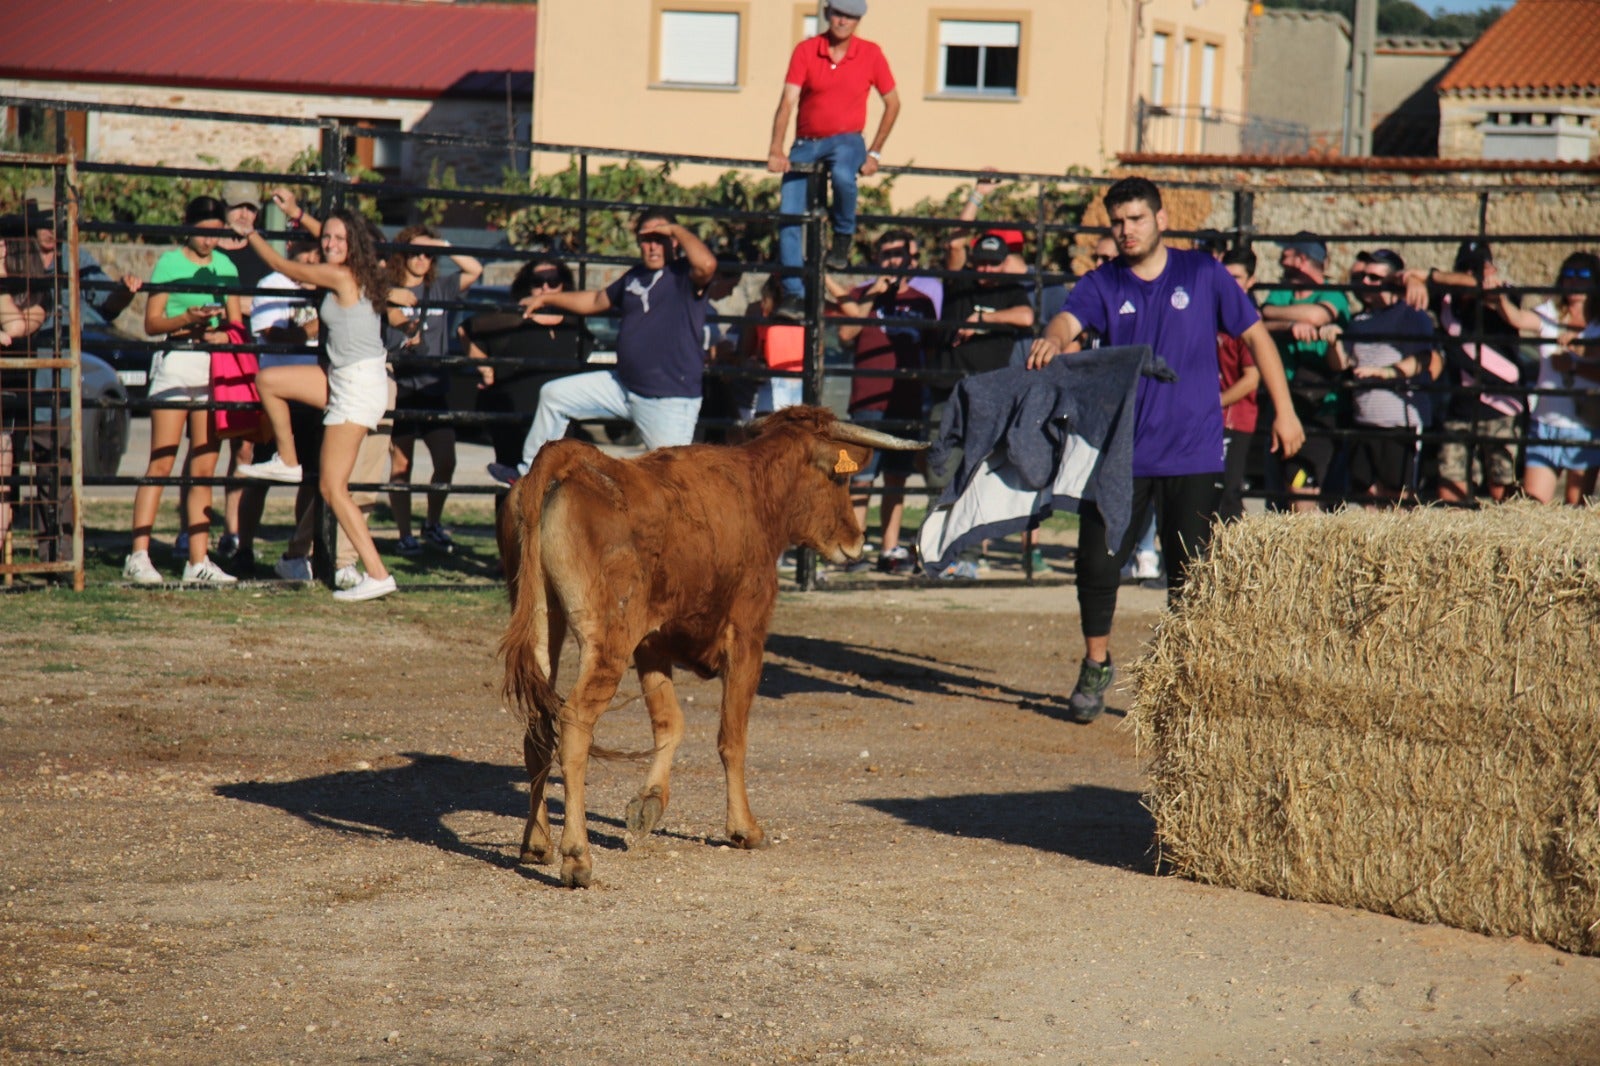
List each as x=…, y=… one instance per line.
x=255, y=827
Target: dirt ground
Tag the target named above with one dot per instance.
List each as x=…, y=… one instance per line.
x=257, y=827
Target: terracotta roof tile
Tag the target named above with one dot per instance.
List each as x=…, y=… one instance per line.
x=343, y=47
x=1549, y=46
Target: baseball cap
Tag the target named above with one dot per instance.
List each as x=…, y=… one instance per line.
x=235, y=193
x=990, y=249
x=1387, y=256
x=853, y=8
x=1309, y=245
x=39, y=205
x=1012, y=237
x=1472, y=255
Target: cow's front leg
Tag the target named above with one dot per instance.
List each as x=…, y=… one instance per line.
x=538, y=750
x=739, y=681
x=666, y=725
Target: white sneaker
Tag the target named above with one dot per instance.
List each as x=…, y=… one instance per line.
x=206, y=572
x=346, y=577
x=140, y=570
x=293, y=569
x=274, y=469
x=370, y=588
x=1146, y=566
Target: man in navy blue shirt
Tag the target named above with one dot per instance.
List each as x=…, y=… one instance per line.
x=656, y=383
x=1175, y=301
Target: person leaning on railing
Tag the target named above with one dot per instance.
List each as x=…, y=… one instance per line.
x=24, y=306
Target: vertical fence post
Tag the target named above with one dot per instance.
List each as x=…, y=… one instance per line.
x=583, y=221
x=811, y=385
x=68, y=176
x=1244, y=218
x=325, y=526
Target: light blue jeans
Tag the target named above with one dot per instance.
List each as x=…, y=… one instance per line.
x=662, y=421
x=844, y=153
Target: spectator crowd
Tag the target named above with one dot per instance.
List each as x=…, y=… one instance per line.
x=1413, y=382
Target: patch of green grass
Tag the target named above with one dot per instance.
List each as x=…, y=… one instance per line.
x=61, y=668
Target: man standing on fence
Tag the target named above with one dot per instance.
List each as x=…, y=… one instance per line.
x=1175, y=301
x=657, y=382
x=828, y=81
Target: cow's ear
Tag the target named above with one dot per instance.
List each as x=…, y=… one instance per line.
x=838, y=459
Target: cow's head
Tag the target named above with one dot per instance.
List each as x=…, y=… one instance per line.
x=820, y=513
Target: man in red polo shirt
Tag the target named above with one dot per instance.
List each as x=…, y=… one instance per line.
x=829, y=78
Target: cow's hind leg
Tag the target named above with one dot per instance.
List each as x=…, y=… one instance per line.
x=539, y=742
x=739, y=681
x=538, y=750
x=666, y=723
x=599, y=673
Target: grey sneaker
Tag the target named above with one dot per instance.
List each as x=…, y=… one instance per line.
x=1088, y=699
x=293, y=569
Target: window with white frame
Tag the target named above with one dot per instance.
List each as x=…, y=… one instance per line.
x=1208, y=79
x=699, y=48
x=979, y=57
x=1159, y=43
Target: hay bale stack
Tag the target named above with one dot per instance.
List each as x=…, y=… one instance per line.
x=1396, y=711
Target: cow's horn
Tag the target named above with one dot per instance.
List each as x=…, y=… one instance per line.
x=850, y=433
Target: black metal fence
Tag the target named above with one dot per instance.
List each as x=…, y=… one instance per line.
x=1051, y=233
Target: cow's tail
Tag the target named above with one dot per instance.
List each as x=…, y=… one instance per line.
x=527, y=689
x=527, y=686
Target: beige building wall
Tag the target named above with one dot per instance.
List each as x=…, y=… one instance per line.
x=1081, y=62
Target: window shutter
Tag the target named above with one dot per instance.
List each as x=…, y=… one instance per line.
x=700, y=47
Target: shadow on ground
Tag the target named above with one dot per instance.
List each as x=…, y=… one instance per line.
x=1106, y=826
x=876, y=673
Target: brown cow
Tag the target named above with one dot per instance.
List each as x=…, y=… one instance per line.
x=668, y=558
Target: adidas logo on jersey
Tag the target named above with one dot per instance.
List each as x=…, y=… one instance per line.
x=1127, y=308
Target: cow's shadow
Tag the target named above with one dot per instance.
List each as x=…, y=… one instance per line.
x=885, y=674
x=412, y=802
x=1106, y=826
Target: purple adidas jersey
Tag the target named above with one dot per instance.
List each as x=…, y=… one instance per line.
x=1178, y=425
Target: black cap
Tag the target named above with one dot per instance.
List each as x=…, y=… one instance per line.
x=1471, y=256
x=990, y=249
x=1387, y=256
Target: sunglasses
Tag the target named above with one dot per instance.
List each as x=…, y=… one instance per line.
x=546, y=281
x=654, y=238
x=885, y=254
x=419, y=255
x=1578, y=272
x=1367, y=277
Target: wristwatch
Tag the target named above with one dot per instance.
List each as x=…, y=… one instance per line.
x=876, y=155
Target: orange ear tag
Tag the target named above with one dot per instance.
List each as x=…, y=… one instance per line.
x=845, y=465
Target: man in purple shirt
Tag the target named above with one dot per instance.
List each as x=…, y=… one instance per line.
x=1175, y=301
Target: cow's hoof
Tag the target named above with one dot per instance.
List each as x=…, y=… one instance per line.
x=749, y=839
x=575, y=874
x=644, y=813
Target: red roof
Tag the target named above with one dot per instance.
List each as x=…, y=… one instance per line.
x=1544, y=46
x=326, y=47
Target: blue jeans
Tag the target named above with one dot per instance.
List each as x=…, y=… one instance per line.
x=662, y=421
x=844, y=153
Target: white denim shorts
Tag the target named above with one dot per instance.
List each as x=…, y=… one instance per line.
x=180, y=377
x=358, y=393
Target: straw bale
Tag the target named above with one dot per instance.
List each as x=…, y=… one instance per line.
x=1398, y=711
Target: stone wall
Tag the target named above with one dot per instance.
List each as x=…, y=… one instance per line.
x=182, y=142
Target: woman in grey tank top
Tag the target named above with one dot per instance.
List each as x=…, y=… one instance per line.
x=354, y=392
